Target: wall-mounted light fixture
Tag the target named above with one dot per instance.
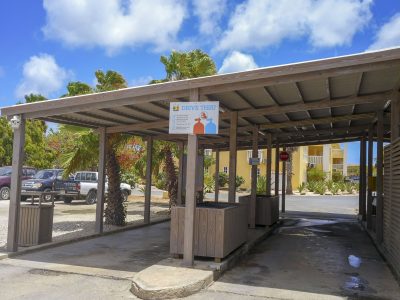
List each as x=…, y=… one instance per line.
x=15, y=122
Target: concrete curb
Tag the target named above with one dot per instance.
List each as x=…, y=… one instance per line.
x=78, y=239
x=141, y=290
x=210, y=273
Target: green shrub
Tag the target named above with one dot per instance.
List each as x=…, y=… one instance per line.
x=222, y=179
x=311, y=185
x=129, y=178
x=262, y=185
x=329, y=185
x=161, y=181
x=320, y=188
x=342, y=186
x=315, y=174
x=349, y=187
x=334, y=189
x=239, y=181
x=209, y=183
x=337, y=176
x=302, y=188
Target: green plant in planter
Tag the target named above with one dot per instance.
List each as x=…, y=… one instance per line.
x=315, y=174
x=320, y=188
x=209, y=183
x=334, y=189
x=302, y=188
x=311, y=185
x=356, y=187
x=239, y=181
x=222, y=179
x=261, y=185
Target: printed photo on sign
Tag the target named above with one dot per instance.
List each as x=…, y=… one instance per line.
x=194, y=117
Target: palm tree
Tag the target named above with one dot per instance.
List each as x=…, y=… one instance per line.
x=86, y=143
x=178, y=66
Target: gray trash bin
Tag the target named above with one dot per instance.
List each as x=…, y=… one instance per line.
x=35, y=224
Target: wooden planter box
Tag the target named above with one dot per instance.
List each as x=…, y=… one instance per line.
x=267, y=209
x=35, y=224
x=220, y=228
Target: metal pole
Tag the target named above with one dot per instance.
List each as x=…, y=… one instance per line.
x=363, y=179
x=370, y=168
x=277, y=170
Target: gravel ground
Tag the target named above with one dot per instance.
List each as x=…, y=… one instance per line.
x=78, y=219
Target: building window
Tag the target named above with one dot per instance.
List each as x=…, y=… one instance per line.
x=208, y=152
x=226, y=170
x=250, y=155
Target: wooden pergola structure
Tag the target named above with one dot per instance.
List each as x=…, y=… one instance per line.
x=342, y=99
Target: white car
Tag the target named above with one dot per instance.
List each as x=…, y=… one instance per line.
x=84, y=184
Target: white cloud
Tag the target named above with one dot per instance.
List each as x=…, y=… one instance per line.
x=388, y=35
x=115, y=24
x=143, y=80
x=41, y=75
x=258, y=24
x=209, y=13
x=237, y=61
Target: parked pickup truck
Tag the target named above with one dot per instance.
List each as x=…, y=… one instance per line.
x=45, y=181
x=5, y=180
x=85, y=186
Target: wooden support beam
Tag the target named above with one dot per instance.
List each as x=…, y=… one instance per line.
x=15, y=192
x=181, y=172
x=190, y=199
x=269, y=163
x=284, y=184
x=216, y=175
x=277, y=169
x=370, y=169
x=232, y=157
x=395, y=117
x=362, y=182
x=253, y=198
x=147, y=194
x=379, y=179
x=101, y=180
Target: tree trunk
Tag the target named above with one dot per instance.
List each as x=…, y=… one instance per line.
x=115, y=211
x=172, y=179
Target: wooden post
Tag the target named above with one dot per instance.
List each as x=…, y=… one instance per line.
x=15, y=193
x=216, y=176
x=379, y=179
x=147, y=195
x=277, y=170
x=370, y=168
x=190, y=203
x=180, y=173
x=395, y=117
x=363, y=180
x=253, y=198
x=101, y=180
x=268, y=163
x=232, y=157
x=284, y=184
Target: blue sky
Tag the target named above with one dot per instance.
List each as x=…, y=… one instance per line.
x=47, y=43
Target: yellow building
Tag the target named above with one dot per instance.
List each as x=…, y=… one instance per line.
x=329, y=158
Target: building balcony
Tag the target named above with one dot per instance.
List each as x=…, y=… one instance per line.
x=315, y=159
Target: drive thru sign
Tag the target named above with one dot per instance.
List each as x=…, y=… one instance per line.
x=194, y=117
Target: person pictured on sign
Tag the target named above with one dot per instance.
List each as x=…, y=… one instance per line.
x=198, y=127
